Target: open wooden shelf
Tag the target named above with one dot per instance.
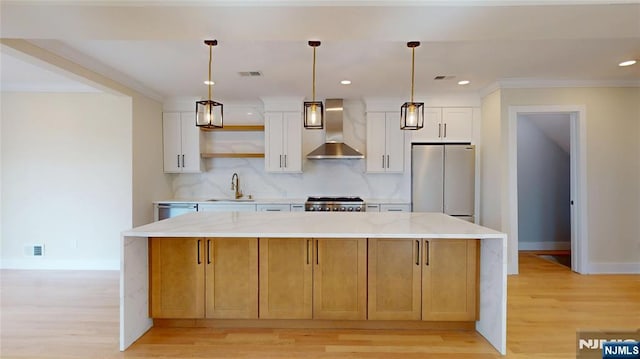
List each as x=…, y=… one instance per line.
x=235, y=128
x=232, y=155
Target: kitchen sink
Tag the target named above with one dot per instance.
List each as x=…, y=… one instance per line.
x=231, y=200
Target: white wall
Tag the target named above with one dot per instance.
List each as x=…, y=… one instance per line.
x=544, y=213
x=149, y=181
x=491, y=167
x=613, y=167
x=66, y=178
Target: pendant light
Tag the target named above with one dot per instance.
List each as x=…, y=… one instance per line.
x=313, y=110
x=208, y=112
x=412, y=113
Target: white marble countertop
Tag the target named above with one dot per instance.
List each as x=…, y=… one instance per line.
x=231, y=200
x=273, y=201
x=313, y=224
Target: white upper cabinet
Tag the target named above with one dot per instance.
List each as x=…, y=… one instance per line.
x=181, y=142
x=385, y=143
x=448, y=124
x=283, y=142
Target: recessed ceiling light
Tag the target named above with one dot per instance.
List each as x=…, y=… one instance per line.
x=464, y=82
x=627, y=63
x=345, y=82
x=209, y=83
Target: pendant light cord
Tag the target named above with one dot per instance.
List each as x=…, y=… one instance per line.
x=210, y=84
x=413, y=59
x=313, y=95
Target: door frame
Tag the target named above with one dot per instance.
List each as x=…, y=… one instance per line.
x=578, y=163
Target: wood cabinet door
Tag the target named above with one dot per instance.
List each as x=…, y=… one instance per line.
x=190, y=140
x=376, y=141
x=432, y=130
x=449, y=279
x=394, y=143
x=292, y=134
x=394, y=279
x=340, y=279
x=285, y=278
x=176, y=270
x=172, y=142
x=231, y=278
x=274, y=141
x=457, y=124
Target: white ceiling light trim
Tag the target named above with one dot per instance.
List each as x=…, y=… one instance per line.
x=627, y=63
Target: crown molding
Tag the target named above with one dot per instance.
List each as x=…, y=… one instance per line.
x=536, y=83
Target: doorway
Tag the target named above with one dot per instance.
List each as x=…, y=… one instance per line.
x=541, y=218
x=544, y=210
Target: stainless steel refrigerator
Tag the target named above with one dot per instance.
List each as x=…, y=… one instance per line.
x=443, y=179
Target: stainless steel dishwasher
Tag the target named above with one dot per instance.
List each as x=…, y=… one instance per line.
x=168, y=210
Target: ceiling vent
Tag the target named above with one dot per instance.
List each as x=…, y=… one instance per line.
x=444, y=77
x=250, y=73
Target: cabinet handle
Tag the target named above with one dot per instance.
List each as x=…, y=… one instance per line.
x=183, y=165
x=285, y=161
x=427, y=253
x=272, y=210
x=387, y=161
x=199, y=261
x=208, y=251
x=280, y=161
x=439, y=130
x=382, y=161
x=417, y=252
x=307, y=251
x=317, y=253
x=445, y=130
x=178, y=158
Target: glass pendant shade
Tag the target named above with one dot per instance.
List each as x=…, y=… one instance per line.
x=412, y=116
x=412, y=113
x=313, y=118
x=313, y=111
x=209, y=114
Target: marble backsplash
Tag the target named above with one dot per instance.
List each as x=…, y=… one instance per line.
x=319, y=177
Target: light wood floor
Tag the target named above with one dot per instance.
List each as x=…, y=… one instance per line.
x=60, y=314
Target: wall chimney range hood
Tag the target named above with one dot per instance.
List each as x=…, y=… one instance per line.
x=334, y=148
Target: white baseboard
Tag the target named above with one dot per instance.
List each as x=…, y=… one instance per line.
x=543, y=246
x=613, y=268
x=40, y=264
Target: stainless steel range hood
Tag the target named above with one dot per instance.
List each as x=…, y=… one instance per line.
x=334, y=148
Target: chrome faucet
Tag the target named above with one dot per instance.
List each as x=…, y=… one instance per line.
x=235, y=185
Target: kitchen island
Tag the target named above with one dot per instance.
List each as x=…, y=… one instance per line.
x=420, y=228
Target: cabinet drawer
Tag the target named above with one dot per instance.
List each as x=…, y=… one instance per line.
x=273, y=208
x=395, y=208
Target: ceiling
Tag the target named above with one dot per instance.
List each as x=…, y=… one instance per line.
x=157, y=47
